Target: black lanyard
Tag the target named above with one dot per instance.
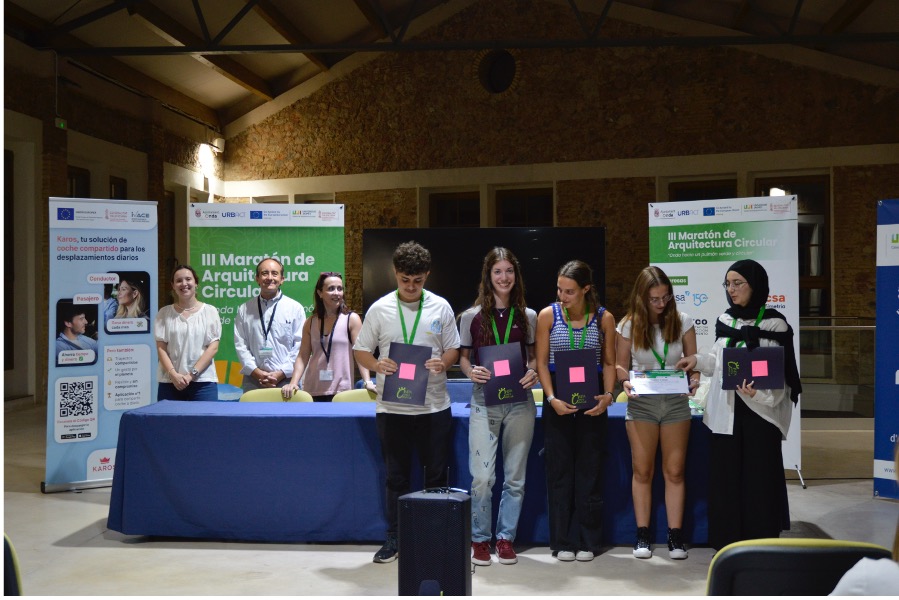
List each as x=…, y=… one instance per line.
x=266, y=330
x=321, y=339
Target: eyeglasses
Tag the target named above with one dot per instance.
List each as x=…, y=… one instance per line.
x=737, y=285
x=663, y=300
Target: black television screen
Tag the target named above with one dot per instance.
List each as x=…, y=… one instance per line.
x=457, y=255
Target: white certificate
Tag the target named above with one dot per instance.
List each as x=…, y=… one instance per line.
x=660, y=382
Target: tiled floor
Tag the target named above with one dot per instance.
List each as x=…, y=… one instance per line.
x=64, y=547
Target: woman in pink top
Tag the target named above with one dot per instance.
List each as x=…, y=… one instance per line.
x=326, y=350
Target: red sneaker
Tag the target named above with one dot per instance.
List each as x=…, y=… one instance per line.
x=480, y=553
x=505, y=553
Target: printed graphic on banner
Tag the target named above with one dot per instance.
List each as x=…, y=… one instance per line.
x=124, y=368
x=101, y=305
x=75, y=409
x=694, y=243
x=227, y=241
x=886, y=375
x=101, y=464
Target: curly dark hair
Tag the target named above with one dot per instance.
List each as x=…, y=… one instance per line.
x=411, y=258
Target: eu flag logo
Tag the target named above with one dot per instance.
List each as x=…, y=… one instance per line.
x=255, y=214
x=708, y=212
x=65, y=214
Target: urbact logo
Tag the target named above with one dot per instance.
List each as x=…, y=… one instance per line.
x=229, y=215
x=255, y=214
x=687, y=213
x=709, y=211
x=65, y=214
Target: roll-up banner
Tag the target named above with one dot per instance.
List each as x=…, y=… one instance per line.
x=886, y=375
x=102, y=354
x=228, y=240
x=695, y=242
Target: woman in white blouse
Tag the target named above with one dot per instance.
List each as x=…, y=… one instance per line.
x=187, y=338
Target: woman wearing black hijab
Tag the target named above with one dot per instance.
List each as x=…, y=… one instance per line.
x=747, y=491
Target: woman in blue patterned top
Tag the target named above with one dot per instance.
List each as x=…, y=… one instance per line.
x=575, y=440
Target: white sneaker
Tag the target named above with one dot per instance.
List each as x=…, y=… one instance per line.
x=565, y=555
x=642, y=547
x=584, y=555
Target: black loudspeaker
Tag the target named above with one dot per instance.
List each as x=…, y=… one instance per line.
x=435, y=542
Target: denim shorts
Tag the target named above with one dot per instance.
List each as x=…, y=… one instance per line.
x=663, y=409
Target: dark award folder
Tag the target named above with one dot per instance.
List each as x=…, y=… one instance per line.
x=506, y=369
x=409, y=384
x=577, y=381
x=764, y=366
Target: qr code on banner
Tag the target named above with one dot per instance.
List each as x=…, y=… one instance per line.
x=76, y=398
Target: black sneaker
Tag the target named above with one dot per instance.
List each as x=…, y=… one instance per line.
x=642, y=549
x=676, y=548
x=388, y=551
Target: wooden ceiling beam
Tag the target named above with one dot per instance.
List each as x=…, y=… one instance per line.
x=176, y=34
x=28, y=26
x=845, y=15
x=286, y=29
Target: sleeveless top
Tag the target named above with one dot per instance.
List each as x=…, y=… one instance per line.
x=341, y=361
x=559, y=341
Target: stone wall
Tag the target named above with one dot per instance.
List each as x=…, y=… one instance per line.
x=427, y=110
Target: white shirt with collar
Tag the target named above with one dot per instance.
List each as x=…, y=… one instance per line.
x=286, y=316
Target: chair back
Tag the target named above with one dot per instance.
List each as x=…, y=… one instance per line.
x=274, y=395
x=12, y=578
x=353, y=396
x=785, y=566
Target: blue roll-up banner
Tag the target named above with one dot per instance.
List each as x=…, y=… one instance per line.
x=102, y=357
x=886, y=375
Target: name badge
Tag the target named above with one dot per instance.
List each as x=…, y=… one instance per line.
x=325, y=375
x=266, y=352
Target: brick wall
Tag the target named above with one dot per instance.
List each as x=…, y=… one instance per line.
x=856, y=191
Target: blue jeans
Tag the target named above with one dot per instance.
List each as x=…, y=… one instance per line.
x=515, y=422
x=198, y=390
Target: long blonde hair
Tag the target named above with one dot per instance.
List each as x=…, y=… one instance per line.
x=638, y=311
x=138, y=307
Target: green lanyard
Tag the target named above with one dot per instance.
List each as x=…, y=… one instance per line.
x=508, y=327
x=661, y=359
x=758, y=320
x=399, y=309
x=571, y=344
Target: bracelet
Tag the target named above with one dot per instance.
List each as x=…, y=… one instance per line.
x=550, y=398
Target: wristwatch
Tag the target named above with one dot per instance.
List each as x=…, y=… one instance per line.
x=194, y=372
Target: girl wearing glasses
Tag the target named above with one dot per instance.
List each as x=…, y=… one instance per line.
x=747, y=491
x=654, y=335
x=326, y=349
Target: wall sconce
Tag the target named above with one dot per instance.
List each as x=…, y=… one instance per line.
x=218, y=144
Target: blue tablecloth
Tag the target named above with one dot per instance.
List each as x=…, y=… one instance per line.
x=292, y=472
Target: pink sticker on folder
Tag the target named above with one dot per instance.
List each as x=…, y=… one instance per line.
x=760, y=368
x=501, y=368
x=407, y=371
x=576, y=375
